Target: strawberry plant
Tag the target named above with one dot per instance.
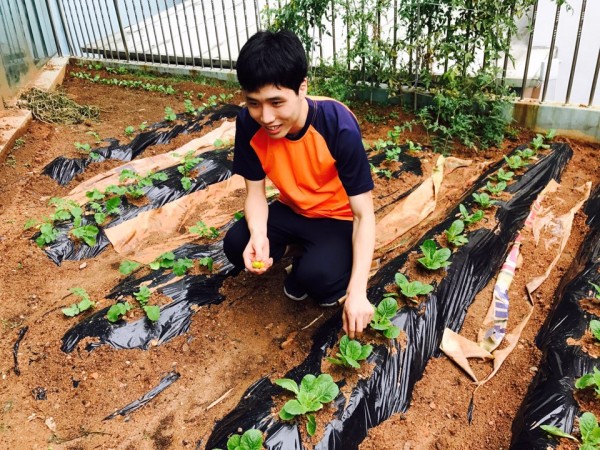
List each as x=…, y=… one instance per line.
x=129, y=130
x=412, y=147
x=83, y=305
x=84, y=148
x=86, y=233
x=411, y=289
x=310, y=396
x=118, y=310
x=143, y=296
x=595, y=329
x=588, y=427
x=142, y=126
x=515, y=162
x=48, y=234
x=204, y=231
x=169, y=114
x=501, y=175
x=589, y=380
x=188, y=164
x=434, y=258
x=454, y=233
x=538, y=142
x=467, y=218
x=597, y=290
x=483, y=200
x=251, y=440
x=189, y=107
x=126, y=267
x=527, y=153
x=351, y=352
x=382, y=319
x=495, y=189
x=392, y=153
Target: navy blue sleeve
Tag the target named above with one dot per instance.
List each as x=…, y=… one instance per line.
x=342, y=134
x=245, y=161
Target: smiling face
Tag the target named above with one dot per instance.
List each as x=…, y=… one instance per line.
x=279, y=110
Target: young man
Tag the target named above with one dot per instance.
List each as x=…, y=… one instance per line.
x=312, y=151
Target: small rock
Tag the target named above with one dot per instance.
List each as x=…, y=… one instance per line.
x=51, y=424
x=122, y=385
x=432, y=405
x=449, y=416
x=520, y=346
x=185, y=348
x=94, y=375
x=82, y=265
x=31, y=417
x=289, y=340
x=491, y=422
x=533, y=369
x=269, y=326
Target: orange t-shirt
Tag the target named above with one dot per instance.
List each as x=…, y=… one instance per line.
x=315, y=170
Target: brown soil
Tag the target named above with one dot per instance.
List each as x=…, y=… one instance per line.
x=255, y=332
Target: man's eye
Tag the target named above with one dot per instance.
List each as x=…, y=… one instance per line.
x=277, y=103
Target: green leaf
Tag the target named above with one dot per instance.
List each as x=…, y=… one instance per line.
x=366, y=350
x=387, y=307
x=71, y=311
x=587, y=424
x=288, y=384
x=117, y=310
x=85, y=304
x=294, y=408
x=186, y=183
x=400, y=280
x=181, y=266
x=152, y=312
x=126, y=267
x=392, y=333
x=233, y=443
x=555, y=431
x=428, y=248
x=585, y=381
x=252, y=439
x=311, y=424
x=284, y=415
x=595, y=328
x=353, y=351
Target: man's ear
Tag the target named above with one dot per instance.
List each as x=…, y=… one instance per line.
x=303, y=90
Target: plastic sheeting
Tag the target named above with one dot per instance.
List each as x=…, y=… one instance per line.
x=549, y=400
x=63, y=170
x=397, y=369
x=214, y=167
x=175, y=317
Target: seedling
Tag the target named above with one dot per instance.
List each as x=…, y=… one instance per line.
x=495, y=189
x=351, y=352
x=204, y=231
x=126, y=267
x=538, y=142
x=117, y=311
x=411, y=289
x=515, y=162
x=189, y=107
x=595, y=329
x=83, y=305
x=597, y=290
x=238, y=215
x=589, y=380
x=143, y=126
x=483, y=200
x=412, y=147
x=392, y=153
x=470, y=219
x=181, y=266
x=527, y=153
x=166, y=261
x=251, y=440
x=129, y=130
x=86, y=233
x=85, y=148
x=96, y=136
x=64, y=209
x=588, y=426
x=95, y=195
x=454, y=233
x=382, y=319
x=434, y=258
x=48, y=234
x=143, y=295
x=207, y=262
x=169, y=114
x=310, y=396
x=188, y=163
x=501, y=175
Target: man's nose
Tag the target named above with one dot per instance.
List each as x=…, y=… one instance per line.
x=267, y=115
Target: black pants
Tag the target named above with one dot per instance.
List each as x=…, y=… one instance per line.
x=324, y=268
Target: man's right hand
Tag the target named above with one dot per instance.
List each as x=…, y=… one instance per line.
x=256, y=252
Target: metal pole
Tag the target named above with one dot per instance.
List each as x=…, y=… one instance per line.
x=139, y=30
x=551, y=53
x=33, y=46
x=104, y=26
x=198, y=34
x=77, y=36
x=89, y=37
x=235, y=24
x=507, y=49
x=333, y=29
x=417, y=58
x=179, y=32
x=226, y=34
x=146, y=29
x=65, y=27
x=171, y=32
x=245, y=19
x=120, y=23
x=256, y=9
x=187, y=27
x=52, y=27
x=162, y=30
x=212, y=5
x=529, y=47
x=595, y=80
x=207, y=35
x=137, y=55
x=576, y=52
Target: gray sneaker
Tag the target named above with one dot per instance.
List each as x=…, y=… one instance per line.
x=292, y=290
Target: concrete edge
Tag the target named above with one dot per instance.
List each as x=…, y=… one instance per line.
x=14, y=122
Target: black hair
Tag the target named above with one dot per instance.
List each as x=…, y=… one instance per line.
x=272, y=58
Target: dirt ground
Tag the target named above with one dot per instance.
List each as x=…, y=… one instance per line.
x=254, y=332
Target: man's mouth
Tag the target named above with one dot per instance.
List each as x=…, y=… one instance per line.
x=273, y=128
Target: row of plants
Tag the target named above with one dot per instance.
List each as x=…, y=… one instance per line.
x=400, y=366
